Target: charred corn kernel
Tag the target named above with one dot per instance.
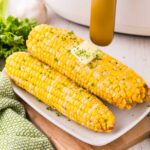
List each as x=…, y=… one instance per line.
x=105, y=76
x=59, y=92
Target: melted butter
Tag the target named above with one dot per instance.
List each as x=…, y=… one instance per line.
x=85, y=52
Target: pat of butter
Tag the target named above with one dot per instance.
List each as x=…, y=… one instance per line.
x=86, y=52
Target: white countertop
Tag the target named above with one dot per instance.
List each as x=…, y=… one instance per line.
x=131, y=49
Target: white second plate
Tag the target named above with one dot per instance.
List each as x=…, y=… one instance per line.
x=125, y=120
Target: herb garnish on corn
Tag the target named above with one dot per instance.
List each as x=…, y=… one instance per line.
x=57, y=91
x=105, y=76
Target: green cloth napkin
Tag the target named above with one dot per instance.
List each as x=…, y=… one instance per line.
x=17, y=133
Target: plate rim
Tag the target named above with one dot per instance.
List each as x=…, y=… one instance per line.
x=101, y=143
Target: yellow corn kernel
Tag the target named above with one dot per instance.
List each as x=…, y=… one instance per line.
x=104, y=73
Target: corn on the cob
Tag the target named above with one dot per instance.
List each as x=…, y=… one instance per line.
x=59, y=92
x=106, y=77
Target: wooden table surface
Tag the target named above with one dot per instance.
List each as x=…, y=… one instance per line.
x=63, y=141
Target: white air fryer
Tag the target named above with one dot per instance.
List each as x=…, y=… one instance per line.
x=132, y=16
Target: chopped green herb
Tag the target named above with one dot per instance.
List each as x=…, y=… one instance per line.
x=81, y=52
x=63, y=38
x=53, y=78
x=49, y=108
x=81, y=90
x=129, y=101
x=90, y=65
x=92, y=84
x=105, y=120
x=97, y=54
x=97, y=57
x=52, y=109
x=39, y=101
x=58, y=113
x=68, y=50
x=56, y=59
x=64, y=84
x=59, y=89
x=71, y=32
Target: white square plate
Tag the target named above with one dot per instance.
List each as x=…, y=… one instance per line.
x=125, y=120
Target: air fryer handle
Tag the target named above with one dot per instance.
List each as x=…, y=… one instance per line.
x=102, y=21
